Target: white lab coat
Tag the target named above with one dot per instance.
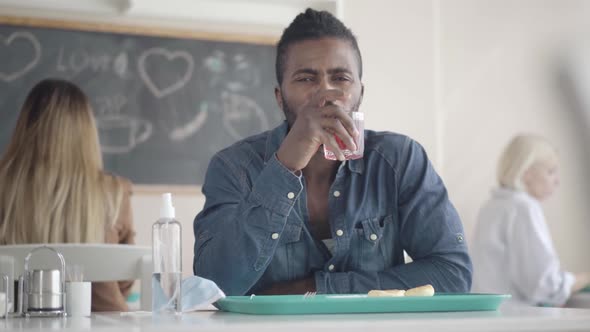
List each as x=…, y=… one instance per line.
x=513, y=253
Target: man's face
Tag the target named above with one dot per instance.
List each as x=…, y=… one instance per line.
x=315, y=66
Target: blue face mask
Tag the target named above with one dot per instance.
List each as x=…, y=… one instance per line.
x=198, y=293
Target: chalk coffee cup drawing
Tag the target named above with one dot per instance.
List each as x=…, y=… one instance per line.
x=78, y=298
x=121, y=133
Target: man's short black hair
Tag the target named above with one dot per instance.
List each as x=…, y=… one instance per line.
x=313, y=24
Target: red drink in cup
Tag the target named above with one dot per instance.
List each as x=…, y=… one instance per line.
x=359, y=121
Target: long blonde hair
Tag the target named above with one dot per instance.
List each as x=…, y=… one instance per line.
x=521, y=153
x=52, y=185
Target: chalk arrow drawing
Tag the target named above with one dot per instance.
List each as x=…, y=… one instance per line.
x=160, y=92
x=183, y=132
x=29, y=37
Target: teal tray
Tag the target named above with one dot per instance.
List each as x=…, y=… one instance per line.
x=338, y=304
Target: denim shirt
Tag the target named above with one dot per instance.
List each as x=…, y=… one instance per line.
x=254, y=229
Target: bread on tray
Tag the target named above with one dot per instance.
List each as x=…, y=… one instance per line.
x=426, y=290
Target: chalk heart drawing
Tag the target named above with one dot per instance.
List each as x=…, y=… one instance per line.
x=28, y=37
x=157, y=91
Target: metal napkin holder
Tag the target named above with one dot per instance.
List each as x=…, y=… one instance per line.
x=42, y=292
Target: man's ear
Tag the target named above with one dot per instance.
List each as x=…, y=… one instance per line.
x=279, y=97
x=362, y=93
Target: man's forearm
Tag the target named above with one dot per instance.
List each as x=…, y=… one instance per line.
x=443, y=275
x=242, y=229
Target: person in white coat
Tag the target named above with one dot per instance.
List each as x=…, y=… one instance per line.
x=512, y=250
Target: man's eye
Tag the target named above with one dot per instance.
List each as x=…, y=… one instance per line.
x=341, y=79
x=304, y=79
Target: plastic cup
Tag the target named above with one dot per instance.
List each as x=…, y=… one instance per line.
x=78, y=298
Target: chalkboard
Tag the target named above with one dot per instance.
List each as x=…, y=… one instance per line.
x=164, y=105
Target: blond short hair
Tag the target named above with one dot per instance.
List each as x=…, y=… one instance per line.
x=520, y=154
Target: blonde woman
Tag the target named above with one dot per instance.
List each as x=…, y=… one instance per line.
x=53, y=187
x=512, y=250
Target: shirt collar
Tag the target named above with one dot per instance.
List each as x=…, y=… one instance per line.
x=504, y=192
x=277, y=135
x=356, y=165
x=274, y=140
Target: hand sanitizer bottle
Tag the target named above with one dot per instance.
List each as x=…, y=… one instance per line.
x=167, y=259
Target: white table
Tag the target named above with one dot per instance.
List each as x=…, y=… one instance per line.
x=508, y=318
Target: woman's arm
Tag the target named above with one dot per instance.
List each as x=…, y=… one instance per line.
x=534, y=266
x=582, y=281
x=126, y=230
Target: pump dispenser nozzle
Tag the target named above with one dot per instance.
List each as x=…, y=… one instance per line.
x=167, y=209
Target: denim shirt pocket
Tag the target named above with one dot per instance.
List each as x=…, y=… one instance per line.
x=291, y=233
x=374, y=248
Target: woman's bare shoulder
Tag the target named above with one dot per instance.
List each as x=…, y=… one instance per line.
x=124, y=182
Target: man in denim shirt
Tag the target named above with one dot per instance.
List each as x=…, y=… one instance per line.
x=279, y=218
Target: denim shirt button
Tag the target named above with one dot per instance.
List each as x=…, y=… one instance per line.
x=339, y=232
x=336, y=193
x=275, y=236
x=373, y=237
x=290, y=195
x=331, y=267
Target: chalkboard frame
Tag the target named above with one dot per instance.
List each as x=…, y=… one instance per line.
x=141, y=30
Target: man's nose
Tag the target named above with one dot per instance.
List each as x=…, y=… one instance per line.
x=332, y=95
x=325, y=84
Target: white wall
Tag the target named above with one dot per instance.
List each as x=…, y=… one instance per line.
x=500, y=64
x=397, y=45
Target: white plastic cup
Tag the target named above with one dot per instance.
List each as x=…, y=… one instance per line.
x=3, y=304
x=78, y=298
